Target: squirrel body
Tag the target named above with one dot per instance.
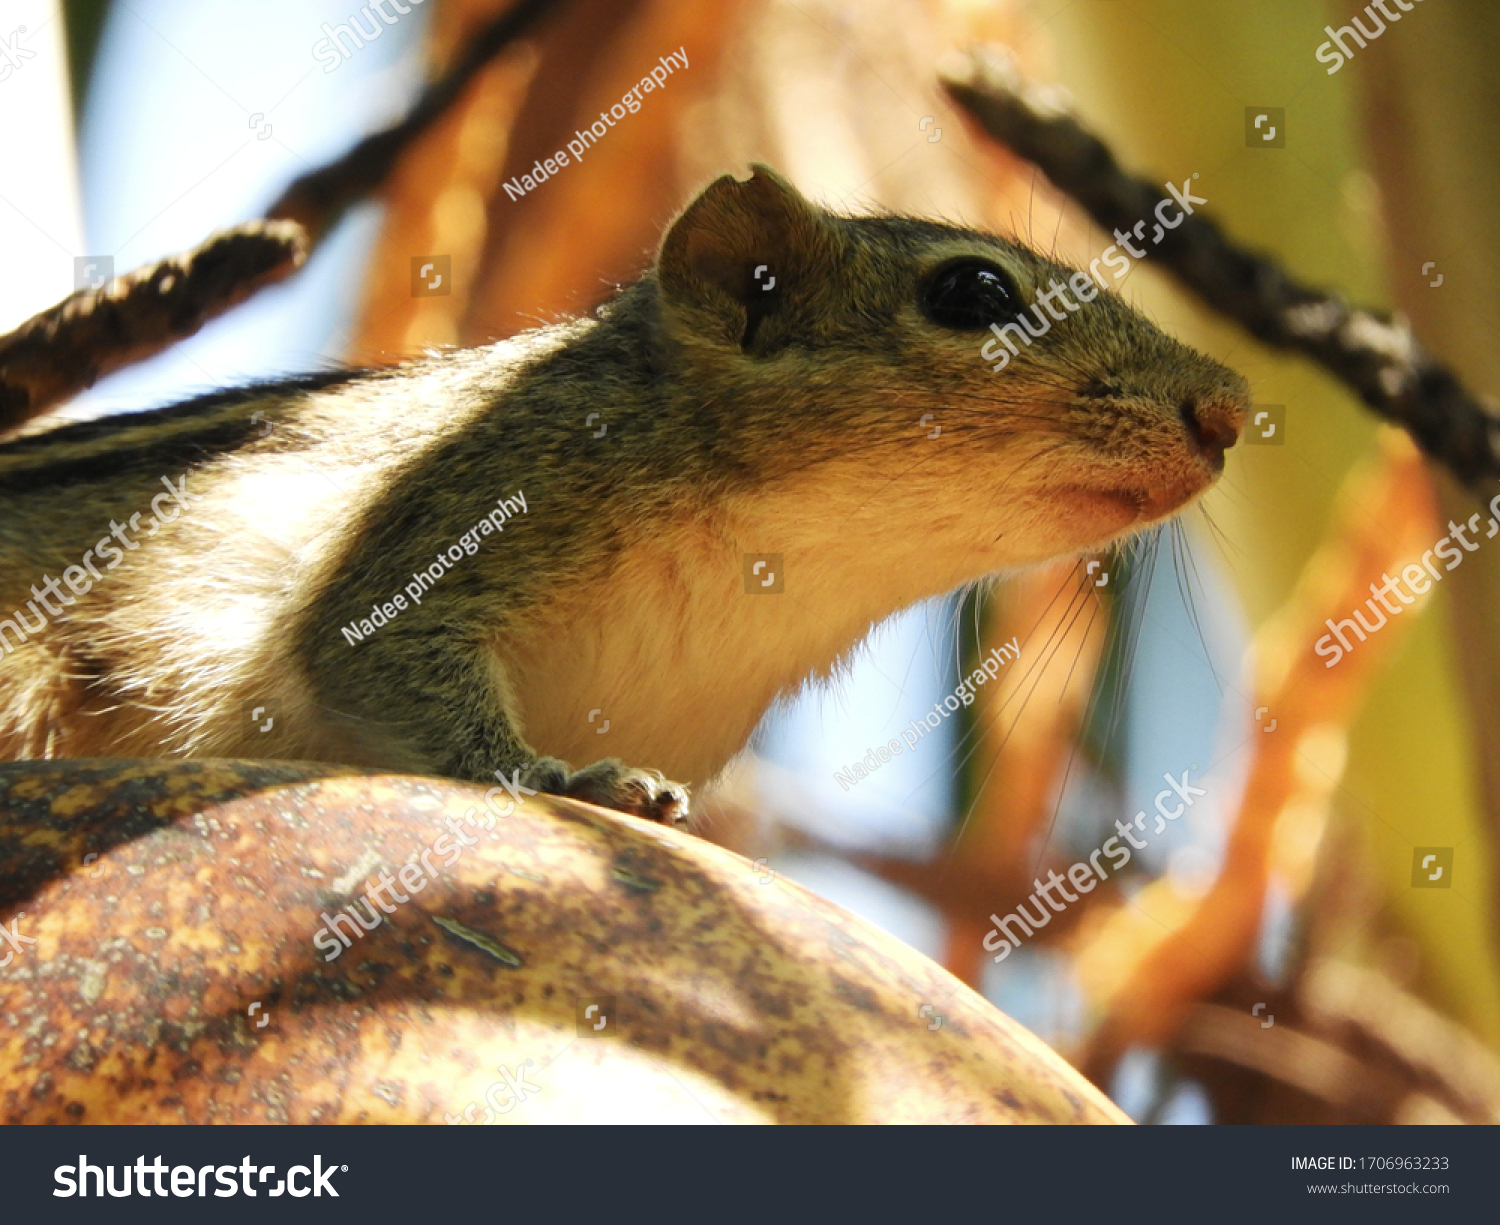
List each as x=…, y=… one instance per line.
x=741, y=418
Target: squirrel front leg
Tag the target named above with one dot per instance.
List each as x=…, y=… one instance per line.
x=424, y=697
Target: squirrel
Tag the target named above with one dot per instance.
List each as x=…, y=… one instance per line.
x=708, y=491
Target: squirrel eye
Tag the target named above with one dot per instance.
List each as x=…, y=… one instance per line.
x=970, y=295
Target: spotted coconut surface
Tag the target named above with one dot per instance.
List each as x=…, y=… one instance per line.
x=550, y=963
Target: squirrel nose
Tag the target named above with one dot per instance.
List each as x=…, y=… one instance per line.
x=1214, y=427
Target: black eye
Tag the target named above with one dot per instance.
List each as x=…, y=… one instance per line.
x=969, y=295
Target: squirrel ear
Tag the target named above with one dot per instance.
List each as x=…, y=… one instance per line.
x=743, y=252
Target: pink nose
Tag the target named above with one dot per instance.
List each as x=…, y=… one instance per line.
x=1214, y=427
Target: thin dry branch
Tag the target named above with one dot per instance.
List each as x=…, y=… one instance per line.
x=1359, y=1048
x=319, y=198
x=66, y=348
x=1372, y=353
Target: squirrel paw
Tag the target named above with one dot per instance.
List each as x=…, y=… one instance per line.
x=612, y=784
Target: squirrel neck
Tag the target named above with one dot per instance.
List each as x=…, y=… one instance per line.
x=683, y=646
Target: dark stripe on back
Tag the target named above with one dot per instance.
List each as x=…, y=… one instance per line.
x=170, y=454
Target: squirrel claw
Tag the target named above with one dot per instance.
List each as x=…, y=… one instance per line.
x=612, y=784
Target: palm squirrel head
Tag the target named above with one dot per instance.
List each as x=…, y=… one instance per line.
x=924, y=347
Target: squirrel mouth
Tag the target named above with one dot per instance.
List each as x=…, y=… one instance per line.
x=1160, y=501
x=1146, y=504
x=1163, y=493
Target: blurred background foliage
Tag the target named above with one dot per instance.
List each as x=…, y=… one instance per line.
x=1288, y=892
